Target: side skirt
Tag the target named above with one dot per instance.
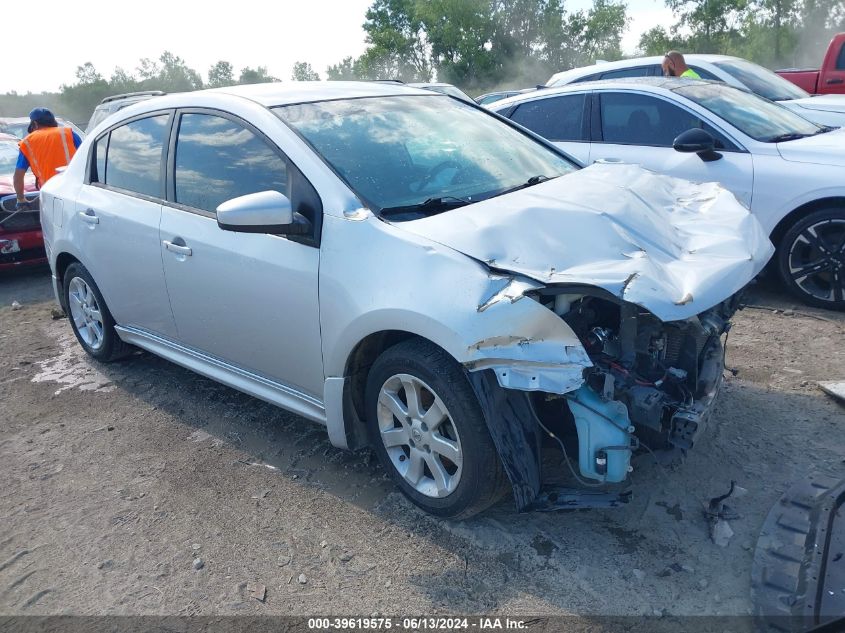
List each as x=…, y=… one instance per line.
x=227, y=374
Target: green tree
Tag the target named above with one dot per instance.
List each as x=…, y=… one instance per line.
x=658, y=41
x=258, y=75
x=302, y=71
x=342, y=71
x=397, y=43
x=221, y=74
x=714, y=23
x=479, y=44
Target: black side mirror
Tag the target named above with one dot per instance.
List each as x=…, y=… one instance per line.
x=697, y=141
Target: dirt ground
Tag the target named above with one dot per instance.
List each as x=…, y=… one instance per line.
x=115, y=478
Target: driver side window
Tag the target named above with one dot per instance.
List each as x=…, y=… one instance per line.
x=629, y=118
x=218, y=159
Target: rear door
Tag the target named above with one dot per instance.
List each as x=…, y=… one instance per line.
x=641, y=128
x=561, y=119
x=247, y=299
x=117, y=219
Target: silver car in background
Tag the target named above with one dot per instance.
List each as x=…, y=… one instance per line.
x=414, y=272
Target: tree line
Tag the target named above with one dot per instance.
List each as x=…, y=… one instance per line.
x=480, y=45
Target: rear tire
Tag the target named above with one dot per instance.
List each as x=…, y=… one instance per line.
x=811, y=259
x=426, y=425
x=89, y=316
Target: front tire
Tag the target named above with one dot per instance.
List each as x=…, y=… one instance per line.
x=811, y=259
x=426, y=426
x=89, y=316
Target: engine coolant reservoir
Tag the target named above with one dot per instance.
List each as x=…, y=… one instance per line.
x=604, y=442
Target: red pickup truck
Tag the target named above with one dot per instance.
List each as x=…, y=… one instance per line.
x=830, y=78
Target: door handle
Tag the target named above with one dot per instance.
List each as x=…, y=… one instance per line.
x=835, y=81
x=89, y=216
x=177, y=248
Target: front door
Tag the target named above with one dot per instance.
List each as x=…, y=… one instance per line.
x=247, y=299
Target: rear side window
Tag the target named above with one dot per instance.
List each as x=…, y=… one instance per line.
x=705, y=74
x=129, y=157
x=637, y=71
x=555, y=118
x=218, y=159
x=592, y=77
x=840, y=61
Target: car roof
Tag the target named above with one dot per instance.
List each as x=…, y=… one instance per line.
x=652, y=84
x=599, y=67
x=277, y=94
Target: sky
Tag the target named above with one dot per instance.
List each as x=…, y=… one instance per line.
x=244, y=33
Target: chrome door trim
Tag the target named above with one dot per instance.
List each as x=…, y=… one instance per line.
x=227, y=374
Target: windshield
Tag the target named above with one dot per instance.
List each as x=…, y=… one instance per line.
x=8, y=157
x=421, y=150
x=761, y=81
x=760, y=119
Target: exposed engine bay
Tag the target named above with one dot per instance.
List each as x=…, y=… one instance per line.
x=652, y=383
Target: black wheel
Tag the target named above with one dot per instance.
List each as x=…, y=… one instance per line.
x=427, y=427
x=89, y=316
x=811, y=259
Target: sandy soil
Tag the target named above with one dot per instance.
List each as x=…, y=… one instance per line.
x=115, y=478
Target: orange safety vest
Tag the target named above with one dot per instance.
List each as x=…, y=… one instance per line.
x=47, y=149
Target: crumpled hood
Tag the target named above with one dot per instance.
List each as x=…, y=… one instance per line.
x=671, y=246
x=828, y=103
x=822, y=149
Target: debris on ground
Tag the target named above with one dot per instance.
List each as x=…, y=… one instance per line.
x=718, y=513
x=198, y=563
x=639, y=574
x=833, y=388
x=721, y=533
x=302, y=579
x=16, y=305
x=57, y=313
x=257, y=590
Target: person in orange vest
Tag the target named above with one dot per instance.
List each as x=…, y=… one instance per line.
x=46, y=148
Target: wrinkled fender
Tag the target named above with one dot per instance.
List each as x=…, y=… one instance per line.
x=408, y=283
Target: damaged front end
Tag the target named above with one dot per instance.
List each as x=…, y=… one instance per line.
x=649, y=384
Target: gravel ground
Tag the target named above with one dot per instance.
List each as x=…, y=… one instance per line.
x=141, y=488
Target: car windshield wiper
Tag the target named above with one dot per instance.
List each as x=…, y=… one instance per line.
x=429, y=205
x=534, y=180
x=789, y=136
x=825, y=129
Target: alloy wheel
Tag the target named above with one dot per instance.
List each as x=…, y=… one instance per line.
x=817, y=260
x=419, y=435
x=86, y=313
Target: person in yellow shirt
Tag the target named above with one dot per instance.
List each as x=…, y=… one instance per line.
x=675, y=66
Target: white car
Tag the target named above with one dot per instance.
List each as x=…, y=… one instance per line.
x=734, y=71
x=412, y=272
x=788, y=171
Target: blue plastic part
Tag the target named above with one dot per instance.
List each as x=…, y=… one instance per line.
x=602, y=428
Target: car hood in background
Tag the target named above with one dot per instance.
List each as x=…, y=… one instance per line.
x=822, y=149
x=671, y=246
x=828, y=103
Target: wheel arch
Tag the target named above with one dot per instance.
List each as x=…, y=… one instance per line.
x=808, y=207
x=63, y=261
x=354, y=380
